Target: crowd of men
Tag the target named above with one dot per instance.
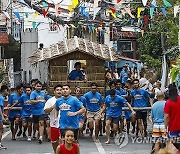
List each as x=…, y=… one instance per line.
x=35, y=114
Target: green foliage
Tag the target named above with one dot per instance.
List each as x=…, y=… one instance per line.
x=150, y=45
x=175, y=70
x=151, y=62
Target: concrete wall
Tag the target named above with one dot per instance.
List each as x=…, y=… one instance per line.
x=29, y=43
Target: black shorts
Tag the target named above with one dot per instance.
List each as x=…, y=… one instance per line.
x=26, y=119
x=141, y=115
x=76, y=131
x=46, y=117
x=113, y=120
x=16, y=117
x=37, y=118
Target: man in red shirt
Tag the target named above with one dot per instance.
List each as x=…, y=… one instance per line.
x=172, y=116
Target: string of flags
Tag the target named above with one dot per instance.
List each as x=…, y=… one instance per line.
x=113, y=11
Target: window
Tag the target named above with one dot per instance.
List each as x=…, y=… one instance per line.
x=124, y=46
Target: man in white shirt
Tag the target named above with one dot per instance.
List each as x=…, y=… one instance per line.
x=49, y=108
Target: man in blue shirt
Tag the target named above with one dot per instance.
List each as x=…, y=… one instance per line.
x=15, y=115
x=157, y=114
x=81, y=117
x=112, y=85
x=114, y=104
x=3, y=93
x=26, y=112
x=140, y=98
x=94, y=103
x=70, y=107
x=119, y=88
x=124, y=75
x=77, y=74
x=37, y=98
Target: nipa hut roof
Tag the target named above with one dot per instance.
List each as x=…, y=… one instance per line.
x=62, y=48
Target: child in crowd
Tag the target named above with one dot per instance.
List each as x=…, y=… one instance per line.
x=68, y=147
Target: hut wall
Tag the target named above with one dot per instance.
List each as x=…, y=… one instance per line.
x=58, y=71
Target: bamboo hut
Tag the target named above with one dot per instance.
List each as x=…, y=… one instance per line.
x=75, y=48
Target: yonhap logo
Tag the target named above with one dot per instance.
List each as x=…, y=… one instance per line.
x=121, y=140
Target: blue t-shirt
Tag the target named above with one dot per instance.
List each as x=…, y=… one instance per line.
x=140, y=98
x=114, y=106
x=121, y=91
x=38, y=109
x=83, y=100
x=48, y=97
x=76, y=75
x=65, y=105
x=26, y=106
x=93, y=101
x=12, y=99
x=108, y=93
x=1, y=106
x=157, y=112
x=124, y=76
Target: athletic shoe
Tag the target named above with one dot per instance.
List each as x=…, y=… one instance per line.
x=19, y=133
x=2, y=147
x=40, y=140
x=29, y=138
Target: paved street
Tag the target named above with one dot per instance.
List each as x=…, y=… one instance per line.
x=87, y=146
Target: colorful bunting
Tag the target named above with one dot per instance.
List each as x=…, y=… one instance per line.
x=151, y=11
x=74, y=4
x=144, y=2
x=113, y=10
x=95, y=5
x=37, y=25
x=57, y=9
x=45, y=12
x=36, y=14
x=163, y=10
x=153, y=3
x=166, y=3
x=45, y=5
x=17, y=22
x=6, y=14
x=96, y=10
x=176, y=8
x=112, y=14
x=142, y=32
x=128, y=10
x=26, y=14
x=34, y=25
x=72, y=26
x=132, y=21
x=83, y=12
x=146, y=19
x=139, y=12
x=17, y=15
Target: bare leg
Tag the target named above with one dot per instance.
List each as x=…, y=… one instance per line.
x=108, y=124
x=41, y=131
x=96, y=128
x=91, y=127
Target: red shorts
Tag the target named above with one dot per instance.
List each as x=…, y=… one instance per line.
x=55, y=134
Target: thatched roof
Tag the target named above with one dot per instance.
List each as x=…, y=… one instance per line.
x=62, y=48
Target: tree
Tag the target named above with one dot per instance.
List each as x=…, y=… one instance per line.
x=175, y=70
x=152, y=44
